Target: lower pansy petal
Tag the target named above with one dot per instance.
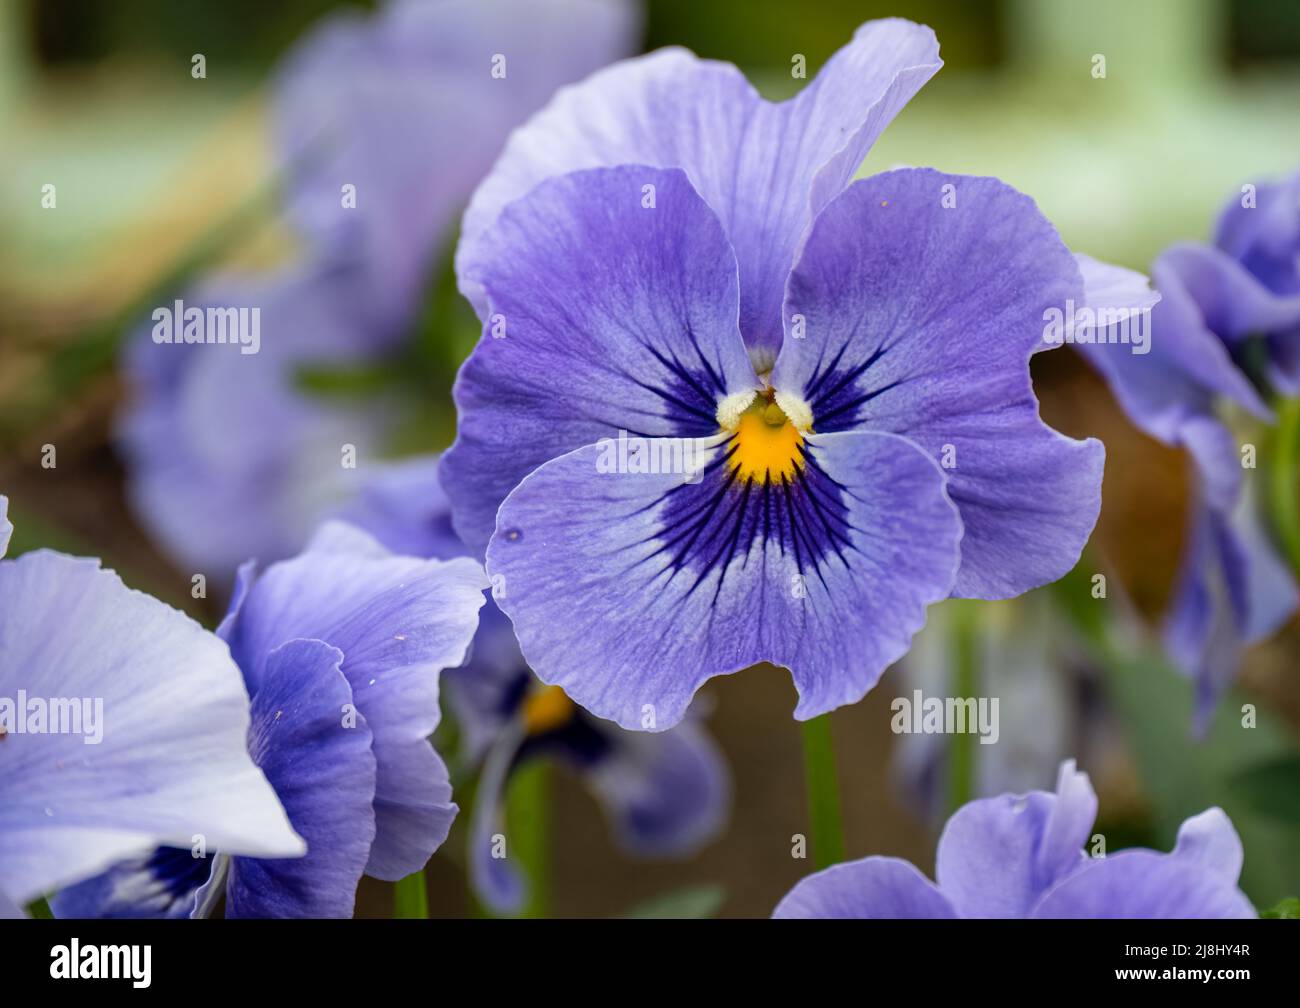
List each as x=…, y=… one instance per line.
x=631, y=588
x=998, y=856
x=874, y=888
x=316, y=750
x=399, y=621
x=1144, y=885
x=916, y=303
x=161, y=884
x=164, y=711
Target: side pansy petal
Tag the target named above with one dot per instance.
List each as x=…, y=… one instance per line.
x=917, y=302
x=630, y=589
x=614, y=299
x=399, y=621
x=171, y=760
x=998, y=856
x=874, y=888
x=1144, y=885
x=316, y=750
x=766, y=169
x=6, y=526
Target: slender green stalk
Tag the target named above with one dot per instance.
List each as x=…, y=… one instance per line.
x=527, y=807
x=826, y=826
x=1283, y=508
x=411, y=898
x=965, y=683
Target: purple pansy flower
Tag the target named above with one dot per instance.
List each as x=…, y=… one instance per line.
x=820, y=496
x=405, y=107
x=226, y=457
x=1226, y=331
x=665, y=795
x=151, y=717
x=1023, y=856
x=341, y=648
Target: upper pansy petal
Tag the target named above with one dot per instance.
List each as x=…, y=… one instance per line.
x=1233, y=302
x=1264, y=236
x=399, y=621
x=1144, y=885
x=615, y=295
x=6, y=526
x=917, y=315
x=317, y=754
x=172, y=760
x=765, y=169
x=997, y=856
x=666, y=794
x=874, y=888
x=630, y=589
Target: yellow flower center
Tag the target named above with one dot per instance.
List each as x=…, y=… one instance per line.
x=546, y=709
x=765, y=445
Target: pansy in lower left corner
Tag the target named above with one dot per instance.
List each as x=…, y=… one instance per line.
x=122, y=726
x=341, y=649
x=1023, y=856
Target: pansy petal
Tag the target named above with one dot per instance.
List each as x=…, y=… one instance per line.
x=1264, y=236
x=1212, y=842
x=171, y=761
x=6, y=527
x=1233, y=303
x=486, y=692
x=667, y=793
x=874, y=888
x=1233, y=590
x=1144, y=885
x=316, y=750
x=629, y=590
x=918, y=316
x=998, y=856
x=374, y=102
x=399, y=621
x=163, y=883
x=496, y=881
x=614, y=315
x=194, y=459
x=766, y=169
x=9, y=910
x=402, y=504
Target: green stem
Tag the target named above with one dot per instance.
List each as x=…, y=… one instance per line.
x=1282, y=503
x=826, y=827
x=965, y=683
x=411, y=898
x=527, y=804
